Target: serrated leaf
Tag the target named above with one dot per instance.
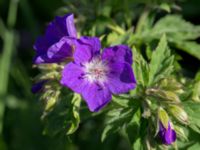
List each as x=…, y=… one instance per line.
x=141, y=68
x=123, y=102
x=161, y=62
x=116, y=38
x=176, y=28
x=192, y=108
x=124, y=114
x=119, y=117
x=64, y=117
x=76, y=101
x=134, y=129
x=179, y=33
x=109, y=129
x=116, y=122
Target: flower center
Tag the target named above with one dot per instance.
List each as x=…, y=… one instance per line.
x=96, y=70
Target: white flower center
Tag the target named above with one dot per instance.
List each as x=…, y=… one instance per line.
x=96, y=70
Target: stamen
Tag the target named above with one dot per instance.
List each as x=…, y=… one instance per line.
x=96, y=70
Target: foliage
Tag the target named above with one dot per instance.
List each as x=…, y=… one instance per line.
x=165, y=46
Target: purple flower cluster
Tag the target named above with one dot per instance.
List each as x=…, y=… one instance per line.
x=167, y=135
x=94, y=74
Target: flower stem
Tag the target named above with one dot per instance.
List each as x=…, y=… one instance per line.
x=5, y=59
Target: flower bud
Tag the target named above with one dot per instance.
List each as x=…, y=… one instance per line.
x=170, y=84
x=52, y=100
x=180, y=132
x=166, y=134
x=38, y=87
x=179, y=114
x=163, y=117
x=164, y=95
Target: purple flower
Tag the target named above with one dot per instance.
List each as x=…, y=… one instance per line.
x=37, y=87
x=97, y=76
x=52, y=47
x=167, y=135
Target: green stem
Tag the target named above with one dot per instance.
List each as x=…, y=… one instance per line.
x=12, y=13
x=4, y=73
x=5, y=60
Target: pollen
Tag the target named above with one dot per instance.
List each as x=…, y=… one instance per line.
x=96, y=70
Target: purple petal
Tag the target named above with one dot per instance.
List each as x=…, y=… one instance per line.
x=85, y=49
x=119, y=53
x=41, y=45
x=57, y=29
x=168, y=136
x=94, y=42
x=96, y=96
x=61, y=49
x=121, y=78
x=70, y=26
x=58, y=52
x=72, y=77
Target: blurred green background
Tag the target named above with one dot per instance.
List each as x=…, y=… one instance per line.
x=21, y=21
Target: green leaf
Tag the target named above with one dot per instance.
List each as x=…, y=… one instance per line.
x=76, y=101
x=194, y=147
x=138, y=144
x=116, y=118
x=175, y=28
x=179, y=33
x=141, y=68
x=165, y=7
x=64, y=117
x=134, y=131
x=191, y=47
x=161, y=62
x=192, y=108
x=121, y=101
x=109, y=129
x=115, y=38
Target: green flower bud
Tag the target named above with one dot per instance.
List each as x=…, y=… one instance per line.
x=170, y=84
x=52, y=100
x=179, y=114
x=171, y=96
x=180, y=132
x=163, y=117
x=164, y=95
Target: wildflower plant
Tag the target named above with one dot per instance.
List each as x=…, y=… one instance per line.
x=144, y=96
